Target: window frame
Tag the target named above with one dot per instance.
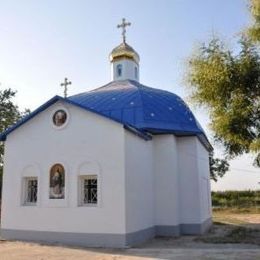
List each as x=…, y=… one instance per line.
x=82, y=179
x=25, y=191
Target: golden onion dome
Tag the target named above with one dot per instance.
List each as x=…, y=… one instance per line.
x=124, y=51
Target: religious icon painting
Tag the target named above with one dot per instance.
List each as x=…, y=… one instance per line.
x=57, y=182
x=59, y=117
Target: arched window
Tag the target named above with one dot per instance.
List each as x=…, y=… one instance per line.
x=136, y=73
x=119, y=69
x=30, y=191
x=57, y=182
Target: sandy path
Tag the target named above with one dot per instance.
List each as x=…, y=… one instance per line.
x=251, y=219
x=182, y=248
x=154, y=250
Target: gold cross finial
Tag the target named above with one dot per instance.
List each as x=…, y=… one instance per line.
x=65, y=84
x=123, y=26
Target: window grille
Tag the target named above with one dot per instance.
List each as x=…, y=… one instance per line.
x=31, y=191
x=89, y=190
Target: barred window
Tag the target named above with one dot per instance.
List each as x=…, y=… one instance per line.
x=31, y=189
x=89, y=190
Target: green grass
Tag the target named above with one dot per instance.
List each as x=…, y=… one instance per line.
x=237, y=199
x=237, y=210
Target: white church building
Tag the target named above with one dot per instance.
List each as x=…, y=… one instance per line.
x=111, y=167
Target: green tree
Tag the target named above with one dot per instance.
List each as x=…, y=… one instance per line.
x=9, y=114
x=228, y=84
x=254, y=30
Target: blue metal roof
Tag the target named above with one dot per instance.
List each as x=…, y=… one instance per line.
x=145, y=109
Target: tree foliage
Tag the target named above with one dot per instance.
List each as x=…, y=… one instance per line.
x=254, y=30
x=228, y=85
x=9, y=114
x=218, y=167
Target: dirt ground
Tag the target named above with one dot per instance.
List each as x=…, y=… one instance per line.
x=233, y=236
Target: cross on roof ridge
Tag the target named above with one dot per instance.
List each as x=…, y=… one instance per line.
x=65, y=84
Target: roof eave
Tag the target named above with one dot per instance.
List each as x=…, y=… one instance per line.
x=201, y=135
x=144, y=135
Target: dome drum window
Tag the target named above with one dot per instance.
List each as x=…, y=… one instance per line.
x=119, y=69
x=136, y=73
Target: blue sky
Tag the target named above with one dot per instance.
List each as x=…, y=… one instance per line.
x=41, y=42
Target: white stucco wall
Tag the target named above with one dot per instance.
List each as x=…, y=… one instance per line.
x=194, y=176
x=204, y=177
x=139, y=183
x=88, y=144
x=166, y=180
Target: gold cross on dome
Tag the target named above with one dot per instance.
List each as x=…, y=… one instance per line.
x=123, y=26
x=65, y=84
